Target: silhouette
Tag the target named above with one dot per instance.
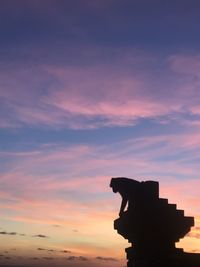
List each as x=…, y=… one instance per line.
x=151, y=225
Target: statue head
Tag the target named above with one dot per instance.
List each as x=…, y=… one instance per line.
x=124, y=186
x=114, y=185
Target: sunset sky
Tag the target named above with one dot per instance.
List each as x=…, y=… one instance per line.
x=89, y=90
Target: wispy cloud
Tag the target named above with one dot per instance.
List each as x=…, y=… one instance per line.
x=101, y=95
x=73, y=180
x=81, y=192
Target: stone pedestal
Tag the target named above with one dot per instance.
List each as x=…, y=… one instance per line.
x=152, y=226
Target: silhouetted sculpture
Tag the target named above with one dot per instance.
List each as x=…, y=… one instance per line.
x=152, y=226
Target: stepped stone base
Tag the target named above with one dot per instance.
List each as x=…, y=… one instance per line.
x=178, y=259
x=152, y=225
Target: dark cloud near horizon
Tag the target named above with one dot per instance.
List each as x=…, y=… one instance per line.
x=56, y=225
x=7, y=258
x=54, y=250
x=51, y=250
x=77, y=258
x=195, y=233
x=15, y=233
x=7, y=233
x=106, y=258
x=20, y=234
x=65, y=251
x=41, y=236
x=48, y=258
x=195, y=250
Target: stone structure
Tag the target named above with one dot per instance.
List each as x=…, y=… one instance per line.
x=152, y=226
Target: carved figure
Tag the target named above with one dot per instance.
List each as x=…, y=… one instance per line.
x=151, y=225
x=133, y=192
x=127, y=188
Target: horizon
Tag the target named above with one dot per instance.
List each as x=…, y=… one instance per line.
x=92, y=90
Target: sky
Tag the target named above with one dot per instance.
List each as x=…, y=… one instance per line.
x=89, y=90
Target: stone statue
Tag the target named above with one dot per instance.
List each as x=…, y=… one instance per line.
x=151, y=225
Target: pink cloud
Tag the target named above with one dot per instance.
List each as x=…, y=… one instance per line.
x=44, y=198
x=120, y=97
x=105, y=92
x=82, y=165
x=66, y=185
x=34, y=176
x=111, y=94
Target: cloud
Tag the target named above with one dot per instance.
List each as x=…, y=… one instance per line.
x=112, y=97
x=41, y=236
x=7, y=233
x=51, y=250
x=7, y=258
x=15, y=233
x=106, y=258
x=54, y=250
x=70, y=181
x=195, y=233
x=65, y=251
x=48, y=258
x=12, y=233
x=111, y=94
x=106, y=94
x=139, y=157
x=46, y=249
x=81, y=258
x=195, y=250
x=76, y=258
